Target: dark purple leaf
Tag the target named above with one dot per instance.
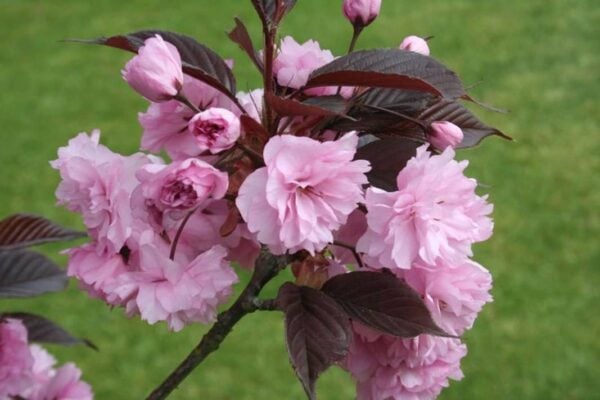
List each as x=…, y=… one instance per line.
x=408, y=102
x=382, y=302
x=42, y=330
x=386, y=111
x=473, y=129
x=318, y=332
x=293, y=108
x=387, y=156
x=26, y=274
x=390, y=68
x=23, y=230
x=273, y=11
x=253, y=128
x=198, y=60
x=336, y=104
x=240, y=35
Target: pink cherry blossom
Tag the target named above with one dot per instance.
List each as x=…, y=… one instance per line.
x=445, y=134
x=252, y=102
x=16, y=360
x=306, y=191
x=415, y=44
x=155, y=72
x=361, y=12
x=166, y=124
x=385, y=367
x=295, y=61
x=42, y=370
x=215, y=129
x=98, y=184
x=202, y=232
x=176, y=188
x=434, y=214
x=65, y=384
x=453, y=294
x=97, y=270
x=180, y=292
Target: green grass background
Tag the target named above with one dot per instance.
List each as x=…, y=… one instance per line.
x=538, y=58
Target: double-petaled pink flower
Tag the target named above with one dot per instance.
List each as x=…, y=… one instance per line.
x=98, y=184
x=306, y=191
x=177, y=291
x=63, y=383
x=296, y=61
x=454, y=294
x=174, y=189
x=435, y=213
x=385, y=367
x=15, y=358
x=26, y=371
x=215, y=129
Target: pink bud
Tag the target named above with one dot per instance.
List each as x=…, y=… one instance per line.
x=215, y=129
x=445, y=134
x=415, y=44
x=361, y=12
x=155, y=72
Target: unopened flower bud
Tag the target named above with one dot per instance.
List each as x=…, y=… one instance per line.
x=361, y=12
x=155, y=72
x=415, y=44
x=445, y=134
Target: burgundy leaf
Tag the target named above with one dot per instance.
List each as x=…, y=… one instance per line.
x=240, y=35
x=27, y=274
x=273, y=11
x=473, y=129
x=42, y=330
x=198, y=60
x=408, y=102
x=386, y=111
x=23, y=230
x=293, y=108
x=382, y=302
x=336, y=104
x=318, y=332
x=387, y=156
x=253, y=128
x=391, y=68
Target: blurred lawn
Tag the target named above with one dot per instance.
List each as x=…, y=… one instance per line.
x=538, y=58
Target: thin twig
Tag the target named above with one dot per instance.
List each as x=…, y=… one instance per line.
x=266, y=268
x=181, y=98
x=179, y=232
x=352, y=249
x=355, y=34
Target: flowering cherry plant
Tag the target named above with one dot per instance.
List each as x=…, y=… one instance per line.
x=340, y=172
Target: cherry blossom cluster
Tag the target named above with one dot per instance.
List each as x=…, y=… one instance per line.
x=164, y=233
x=27, y=371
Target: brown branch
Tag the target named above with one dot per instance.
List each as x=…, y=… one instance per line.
x=266, y=268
